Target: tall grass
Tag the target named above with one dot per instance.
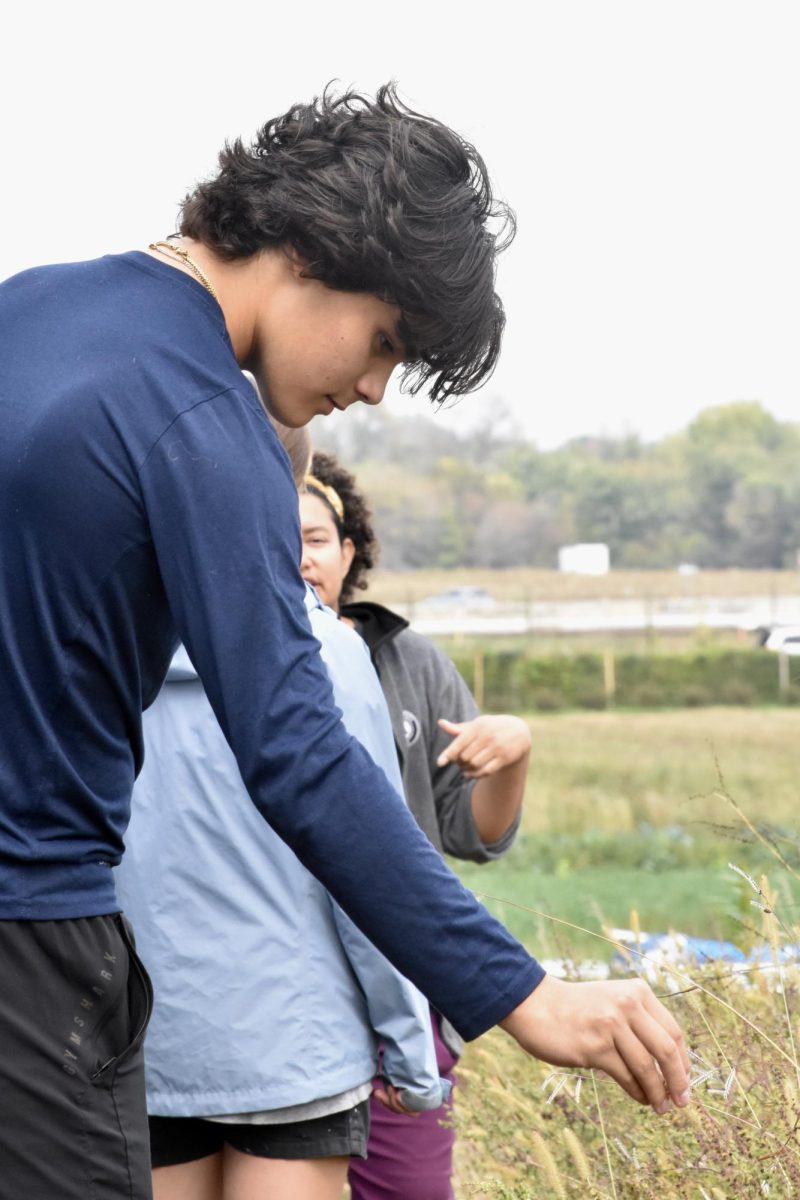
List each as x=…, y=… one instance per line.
x=727, y=782
x=526, y=1130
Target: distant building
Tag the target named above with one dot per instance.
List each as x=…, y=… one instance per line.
x=585, y=558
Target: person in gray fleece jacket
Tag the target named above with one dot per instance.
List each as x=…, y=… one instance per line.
x=463, y=774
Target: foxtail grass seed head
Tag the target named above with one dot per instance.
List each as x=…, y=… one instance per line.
x=577, y=1154
x=548, y=1165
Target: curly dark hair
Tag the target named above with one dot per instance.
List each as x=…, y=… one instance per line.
x=376, y=198
x=357, y=522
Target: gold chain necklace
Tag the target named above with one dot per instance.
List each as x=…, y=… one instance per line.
x=183, y=255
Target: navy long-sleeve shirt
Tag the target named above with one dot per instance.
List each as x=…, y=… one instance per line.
x=144, y=498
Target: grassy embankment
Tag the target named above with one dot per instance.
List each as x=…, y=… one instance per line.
x=626, y=812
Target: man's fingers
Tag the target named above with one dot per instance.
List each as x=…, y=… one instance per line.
x=651, y=1043
x=668, y=1023
x=640, y=1065
x=668, y=1052
x=614, y=1066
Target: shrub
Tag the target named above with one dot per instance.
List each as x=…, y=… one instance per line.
x=645, y=695
x=739, y=692
x=547, y=700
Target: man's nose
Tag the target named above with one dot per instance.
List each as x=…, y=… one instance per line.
x=371, y=386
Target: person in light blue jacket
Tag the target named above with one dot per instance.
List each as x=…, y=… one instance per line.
x=270, y=1004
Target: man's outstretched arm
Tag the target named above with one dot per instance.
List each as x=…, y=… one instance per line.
x=223, y=514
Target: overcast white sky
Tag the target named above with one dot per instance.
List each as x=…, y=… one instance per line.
x=649, y=149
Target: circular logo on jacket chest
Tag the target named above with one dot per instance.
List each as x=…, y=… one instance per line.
x=411, y=727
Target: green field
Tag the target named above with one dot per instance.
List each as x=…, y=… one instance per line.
x=623, y=812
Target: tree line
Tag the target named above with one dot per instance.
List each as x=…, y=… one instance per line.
x=725, y=492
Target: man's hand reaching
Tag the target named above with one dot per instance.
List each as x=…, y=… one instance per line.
x=618, y=1027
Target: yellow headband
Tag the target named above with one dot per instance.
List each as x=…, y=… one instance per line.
x=330, y=494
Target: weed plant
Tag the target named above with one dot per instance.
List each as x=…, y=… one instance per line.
x=528, y=1131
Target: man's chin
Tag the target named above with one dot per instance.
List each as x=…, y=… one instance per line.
x=289, y=420
x=286, y=415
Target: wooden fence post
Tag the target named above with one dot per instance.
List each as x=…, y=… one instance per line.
x=783, y=674
x=609, y=678
x=477, y=679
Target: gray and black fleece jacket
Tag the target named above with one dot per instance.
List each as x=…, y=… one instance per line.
x=421, y=684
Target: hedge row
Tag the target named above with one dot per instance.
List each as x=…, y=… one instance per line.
x=515, y=681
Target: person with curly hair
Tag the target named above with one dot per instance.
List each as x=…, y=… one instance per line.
x=145, y=500
x=463, y=776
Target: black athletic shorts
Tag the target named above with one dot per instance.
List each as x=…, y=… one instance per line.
x=176, y=1140
x=74, y=1005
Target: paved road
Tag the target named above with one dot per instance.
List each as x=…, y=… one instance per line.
x=585, y=616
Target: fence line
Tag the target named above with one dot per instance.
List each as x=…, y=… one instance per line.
x=513, y=680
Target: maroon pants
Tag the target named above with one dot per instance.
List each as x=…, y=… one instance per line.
x=408, y=1158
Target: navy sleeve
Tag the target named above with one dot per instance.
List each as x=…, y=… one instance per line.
x=222, y=509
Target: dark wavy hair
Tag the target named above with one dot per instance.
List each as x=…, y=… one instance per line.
x=376, y=198
x=356, y=523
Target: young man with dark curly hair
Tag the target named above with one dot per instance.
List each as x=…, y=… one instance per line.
x=145, y=499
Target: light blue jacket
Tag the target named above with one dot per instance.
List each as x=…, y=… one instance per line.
x=266, y=994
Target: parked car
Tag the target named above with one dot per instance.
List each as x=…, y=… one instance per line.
x=459, y=597
x=784, y=638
